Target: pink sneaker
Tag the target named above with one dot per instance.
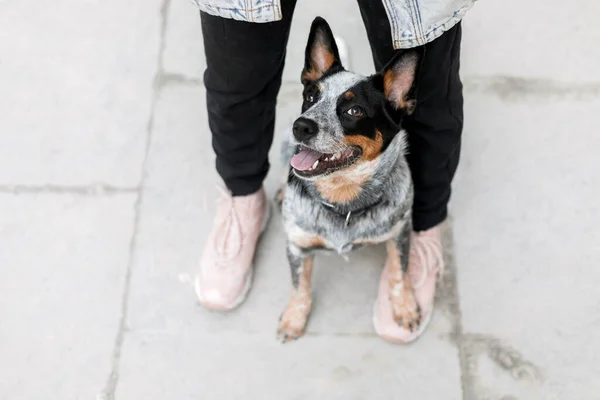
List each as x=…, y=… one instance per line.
x=226, y=264
x=426, y=261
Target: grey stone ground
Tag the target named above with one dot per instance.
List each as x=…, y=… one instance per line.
x=107, y=187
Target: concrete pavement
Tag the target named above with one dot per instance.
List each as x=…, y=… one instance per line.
x=107, y=188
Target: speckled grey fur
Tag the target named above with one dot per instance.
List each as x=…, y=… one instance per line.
x=389, y=189
x=323, y=112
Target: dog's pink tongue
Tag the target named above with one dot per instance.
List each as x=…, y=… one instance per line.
x=305, y=159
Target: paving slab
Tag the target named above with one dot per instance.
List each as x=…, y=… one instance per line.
x=164, y=317
x=190, y=364
x=184, y=47
x=75, y=91
x=77, y=84
x=526, y=212
x=63, y=261
x=539, y=39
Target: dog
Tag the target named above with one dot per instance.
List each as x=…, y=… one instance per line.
x=349, y=184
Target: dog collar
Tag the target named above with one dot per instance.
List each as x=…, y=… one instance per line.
x=350, y=213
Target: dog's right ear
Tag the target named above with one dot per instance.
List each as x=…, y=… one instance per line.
x=321, y=54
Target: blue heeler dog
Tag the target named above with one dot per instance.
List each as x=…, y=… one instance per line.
x=349, y=183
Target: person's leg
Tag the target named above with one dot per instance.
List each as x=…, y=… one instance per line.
x=242, y=78
x=434, y=129
x=434, y=132
x=243, y=75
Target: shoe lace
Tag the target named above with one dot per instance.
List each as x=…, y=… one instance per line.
x=426, y=251
x=228, y=234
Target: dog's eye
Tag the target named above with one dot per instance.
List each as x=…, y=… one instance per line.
x=355, y=111
x=309, y=98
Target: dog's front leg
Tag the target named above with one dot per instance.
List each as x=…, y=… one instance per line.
x=294, y=317
x=406, y=310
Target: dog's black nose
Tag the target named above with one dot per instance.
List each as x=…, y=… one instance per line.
x=304, y=129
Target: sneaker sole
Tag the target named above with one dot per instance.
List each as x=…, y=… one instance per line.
x=392, y=339
x=248, y=281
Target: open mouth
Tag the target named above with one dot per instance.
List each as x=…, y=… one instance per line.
x=309, y=163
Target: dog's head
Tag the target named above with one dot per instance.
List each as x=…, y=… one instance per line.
x=348, y=119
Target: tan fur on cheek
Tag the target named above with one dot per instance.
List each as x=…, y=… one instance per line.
x=371, y=148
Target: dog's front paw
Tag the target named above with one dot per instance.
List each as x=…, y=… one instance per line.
x=407, y=312
x=289, y=330
x=292, y=323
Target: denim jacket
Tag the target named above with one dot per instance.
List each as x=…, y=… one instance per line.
x=413, y=22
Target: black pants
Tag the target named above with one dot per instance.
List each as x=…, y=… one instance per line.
x=243, y=76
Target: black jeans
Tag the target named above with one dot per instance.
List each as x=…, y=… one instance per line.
x=243, y=76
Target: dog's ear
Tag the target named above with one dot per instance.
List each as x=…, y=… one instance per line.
x=321, y=54
x=399, y=79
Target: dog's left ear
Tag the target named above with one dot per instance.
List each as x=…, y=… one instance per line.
x=399, y=79
x=321, y=54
